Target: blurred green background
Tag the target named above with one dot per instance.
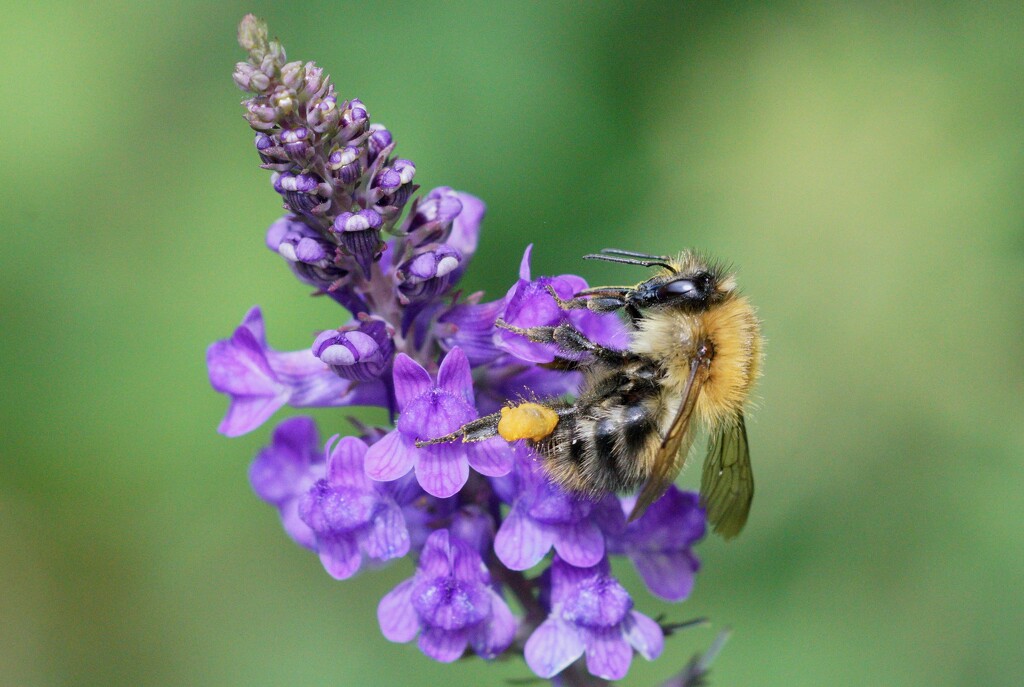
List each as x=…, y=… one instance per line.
x=862, y=164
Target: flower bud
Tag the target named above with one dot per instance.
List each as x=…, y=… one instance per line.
x=260, y=115
x=429, y=272
x=345, y=165
x=313, y=81
x=252, y=36
x=323, y=115
x=379, y=140
x=295, y=143
x=248, y=78
x=430, y=220
x=360, y=353
x=359, y=234
x=303, y=193
x=354, y=120
x=292, y=75
x=310, y=256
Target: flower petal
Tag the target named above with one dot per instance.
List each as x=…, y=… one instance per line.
x=239, y=366
x=521, y=542
x=552, y=648
x=608, y=654
x=644, y=635
x=398, y=621
x=340, y=556
x=299, y=531
x=444, y=645
x=282, y=470
x=411, y=380
x=492, y=457
x=442, y=469
x=495, y=634
x=345, y=463
x=454, y=377
x=388, y=536
x=524, y=264
x=246, y=413
x=580, y=544
x=436, y=557
x=391, y=457
x=668, y=575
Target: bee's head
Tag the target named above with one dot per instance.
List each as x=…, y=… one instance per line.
x=688, y=282
x=690, y=290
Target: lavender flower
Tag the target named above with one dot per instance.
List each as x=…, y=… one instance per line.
x=259, y=380
x=450, y=603
x=543, y=516
x=430, y=409
x=355, y=231
x=530, y=304
x=350, y=515
x=282, y=473
x=661, y=543
x=592, y=614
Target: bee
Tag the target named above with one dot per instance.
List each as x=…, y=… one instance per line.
x=694, y=354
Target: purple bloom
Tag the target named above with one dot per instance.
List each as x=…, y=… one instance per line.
x=283, y=471
x=529, y=304
x=259, y=380
x=350, y=515
x=470, y=326
x=660, y=542
x=427, y=410
x=544, y=515
x=450, y=603
x=592, y=614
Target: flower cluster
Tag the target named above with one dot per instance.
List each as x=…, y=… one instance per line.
x=473, y=516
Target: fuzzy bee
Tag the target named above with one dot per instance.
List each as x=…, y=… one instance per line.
x=694, y=355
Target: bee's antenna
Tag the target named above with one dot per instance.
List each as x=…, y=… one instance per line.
x=633, y=254
x=652, y=262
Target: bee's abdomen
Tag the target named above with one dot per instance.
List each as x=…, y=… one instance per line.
x=607, y=445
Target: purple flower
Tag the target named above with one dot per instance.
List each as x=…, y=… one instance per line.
x=259, y=380
x=360, y=353
x=529, y=304
x=283, y=471
x=543, y=515
x=427, y=410
x=592, y=614
x=350, y=515
x=660, y=542
x=470, y=326
x=450, y=603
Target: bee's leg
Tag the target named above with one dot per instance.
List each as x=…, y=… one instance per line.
x=567, y=337
x=477, y=430
x=602, y=300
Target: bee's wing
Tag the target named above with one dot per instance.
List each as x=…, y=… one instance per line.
x=727, y=484
x=675, y=445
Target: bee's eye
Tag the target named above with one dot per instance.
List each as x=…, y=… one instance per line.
x=695, y=289
x=681, y=287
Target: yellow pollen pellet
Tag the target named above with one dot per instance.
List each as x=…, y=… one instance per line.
x=527, y=421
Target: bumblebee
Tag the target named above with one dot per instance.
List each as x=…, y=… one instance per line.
x=694, y=354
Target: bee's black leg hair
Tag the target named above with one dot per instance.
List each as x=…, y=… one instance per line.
x=567, y=337
x=607, y=299
x=477, y=430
